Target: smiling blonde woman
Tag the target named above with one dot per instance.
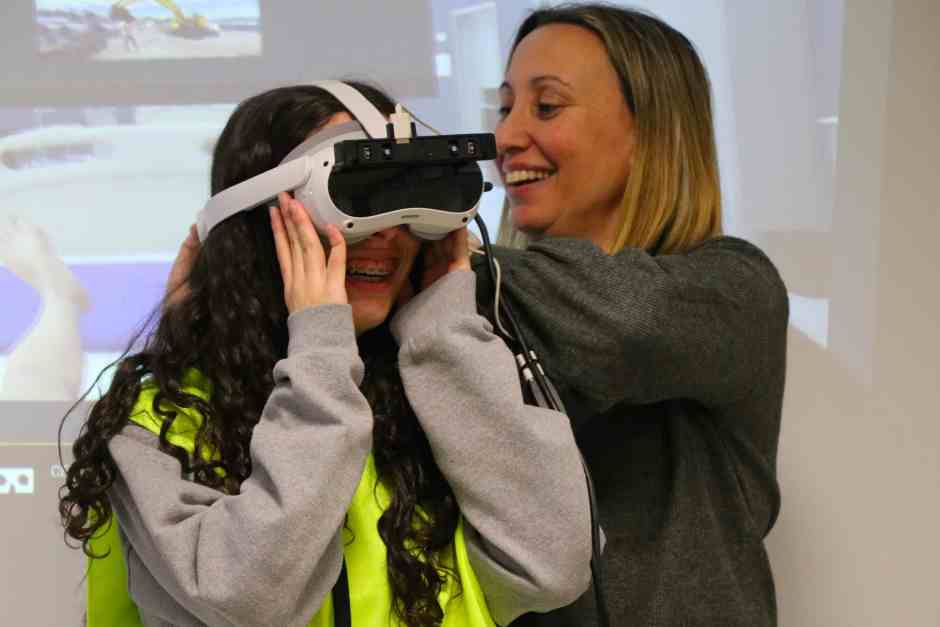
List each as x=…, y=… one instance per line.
x=667, y=340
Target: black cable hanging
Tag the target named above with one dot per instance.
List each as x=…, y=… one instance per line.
x=545, y=395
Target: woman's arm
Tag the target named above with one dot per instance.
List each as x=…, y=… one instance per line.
x=271, y=554
x=631, y=327
x=514, y=469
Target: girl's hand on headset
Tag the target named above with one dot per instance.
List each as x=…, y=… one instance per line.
x=311, y=276
x=440, y=257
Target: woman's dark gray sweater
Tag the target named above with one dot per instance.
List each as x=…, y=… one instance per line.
x=672, y=371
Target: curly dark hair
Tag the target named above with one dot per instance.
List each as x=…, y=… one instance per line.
x=232, y=327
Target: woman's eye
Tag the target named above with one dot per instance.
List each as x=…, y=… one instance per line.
x=503, y=112
x=547, y=110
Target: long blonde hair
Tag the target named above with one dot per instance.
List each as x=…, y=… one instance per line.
x=672, y=200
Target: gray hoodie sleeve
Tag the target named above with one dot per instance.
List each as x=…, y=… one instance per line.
x=270, y=554
x=514, y=469
x=632, y=327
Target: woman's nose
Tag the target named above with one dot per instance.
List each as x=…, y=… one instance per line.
x=510, y=133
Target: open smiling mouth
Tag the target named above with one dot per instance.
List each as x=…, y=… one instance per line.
x=518, y=178
x=369, y=272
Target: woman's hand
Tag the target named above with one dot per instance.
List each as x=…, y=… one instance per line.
x=446, y=255
x=177, y=287
x=311, y=276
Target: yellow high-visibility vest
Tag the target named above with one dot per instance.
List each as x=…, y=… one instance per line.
x=370, y=597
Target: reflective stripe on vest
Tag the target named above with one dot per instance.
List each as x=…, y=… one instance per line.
x=370, y=596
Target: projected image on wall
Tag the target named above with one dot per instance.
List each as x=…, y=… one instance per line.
x=93, y=206
x=147, y=29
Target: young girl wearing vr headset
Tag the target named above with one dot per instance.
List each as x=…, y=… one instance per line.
x=313, y=432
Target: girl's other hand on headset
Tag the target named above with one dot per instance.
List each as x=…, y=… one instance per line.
x=311, y=276
x=445, y=255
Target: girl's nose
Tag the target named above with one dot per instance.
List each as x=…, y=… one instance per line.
x=388, y=234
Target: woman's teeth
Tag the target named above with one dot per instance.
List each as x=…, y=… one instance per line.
x=525, y=176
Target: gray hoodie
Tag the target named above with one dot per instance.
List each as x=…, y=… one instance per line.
x=270, y=554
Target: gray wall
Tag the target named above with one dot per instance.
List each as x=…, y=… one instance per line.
x=857, y=543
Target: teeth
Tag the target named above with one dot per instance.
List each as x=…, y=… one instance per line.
x=369, y=278
x=369, y=271
x=517, y=176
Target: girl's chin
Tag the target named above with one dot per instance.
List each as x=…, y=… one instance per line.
x=363, y=324
x=369, y=313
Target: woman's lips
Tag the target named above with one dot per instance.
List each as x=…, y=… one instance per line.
x=523, y=190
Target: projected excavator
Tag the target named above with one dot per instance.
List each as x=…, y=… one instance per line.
x=193, y=27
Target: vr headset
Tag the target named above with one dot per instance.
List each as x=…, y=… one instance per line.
x=370, y=175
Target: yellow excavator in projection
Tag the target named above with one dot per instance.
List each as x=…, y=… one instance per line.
x=193, y=27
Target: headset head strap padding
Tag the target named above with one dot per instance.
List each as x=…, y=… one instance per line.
x=364, y=111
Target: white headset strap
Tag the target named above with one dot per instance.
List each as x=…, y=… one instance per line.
x=293, y=172
x=250, y=193
x=329, y=135
x=364, y=111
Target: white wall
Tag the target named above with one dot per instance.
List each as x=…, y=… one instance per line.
x=856, y=544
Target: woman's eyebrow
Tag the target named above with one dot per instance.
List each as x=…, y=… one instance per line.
x=548, y=78
x=537, y=81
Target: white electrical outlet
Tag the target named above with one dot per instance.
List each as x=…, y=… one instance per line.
x=17, y=480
